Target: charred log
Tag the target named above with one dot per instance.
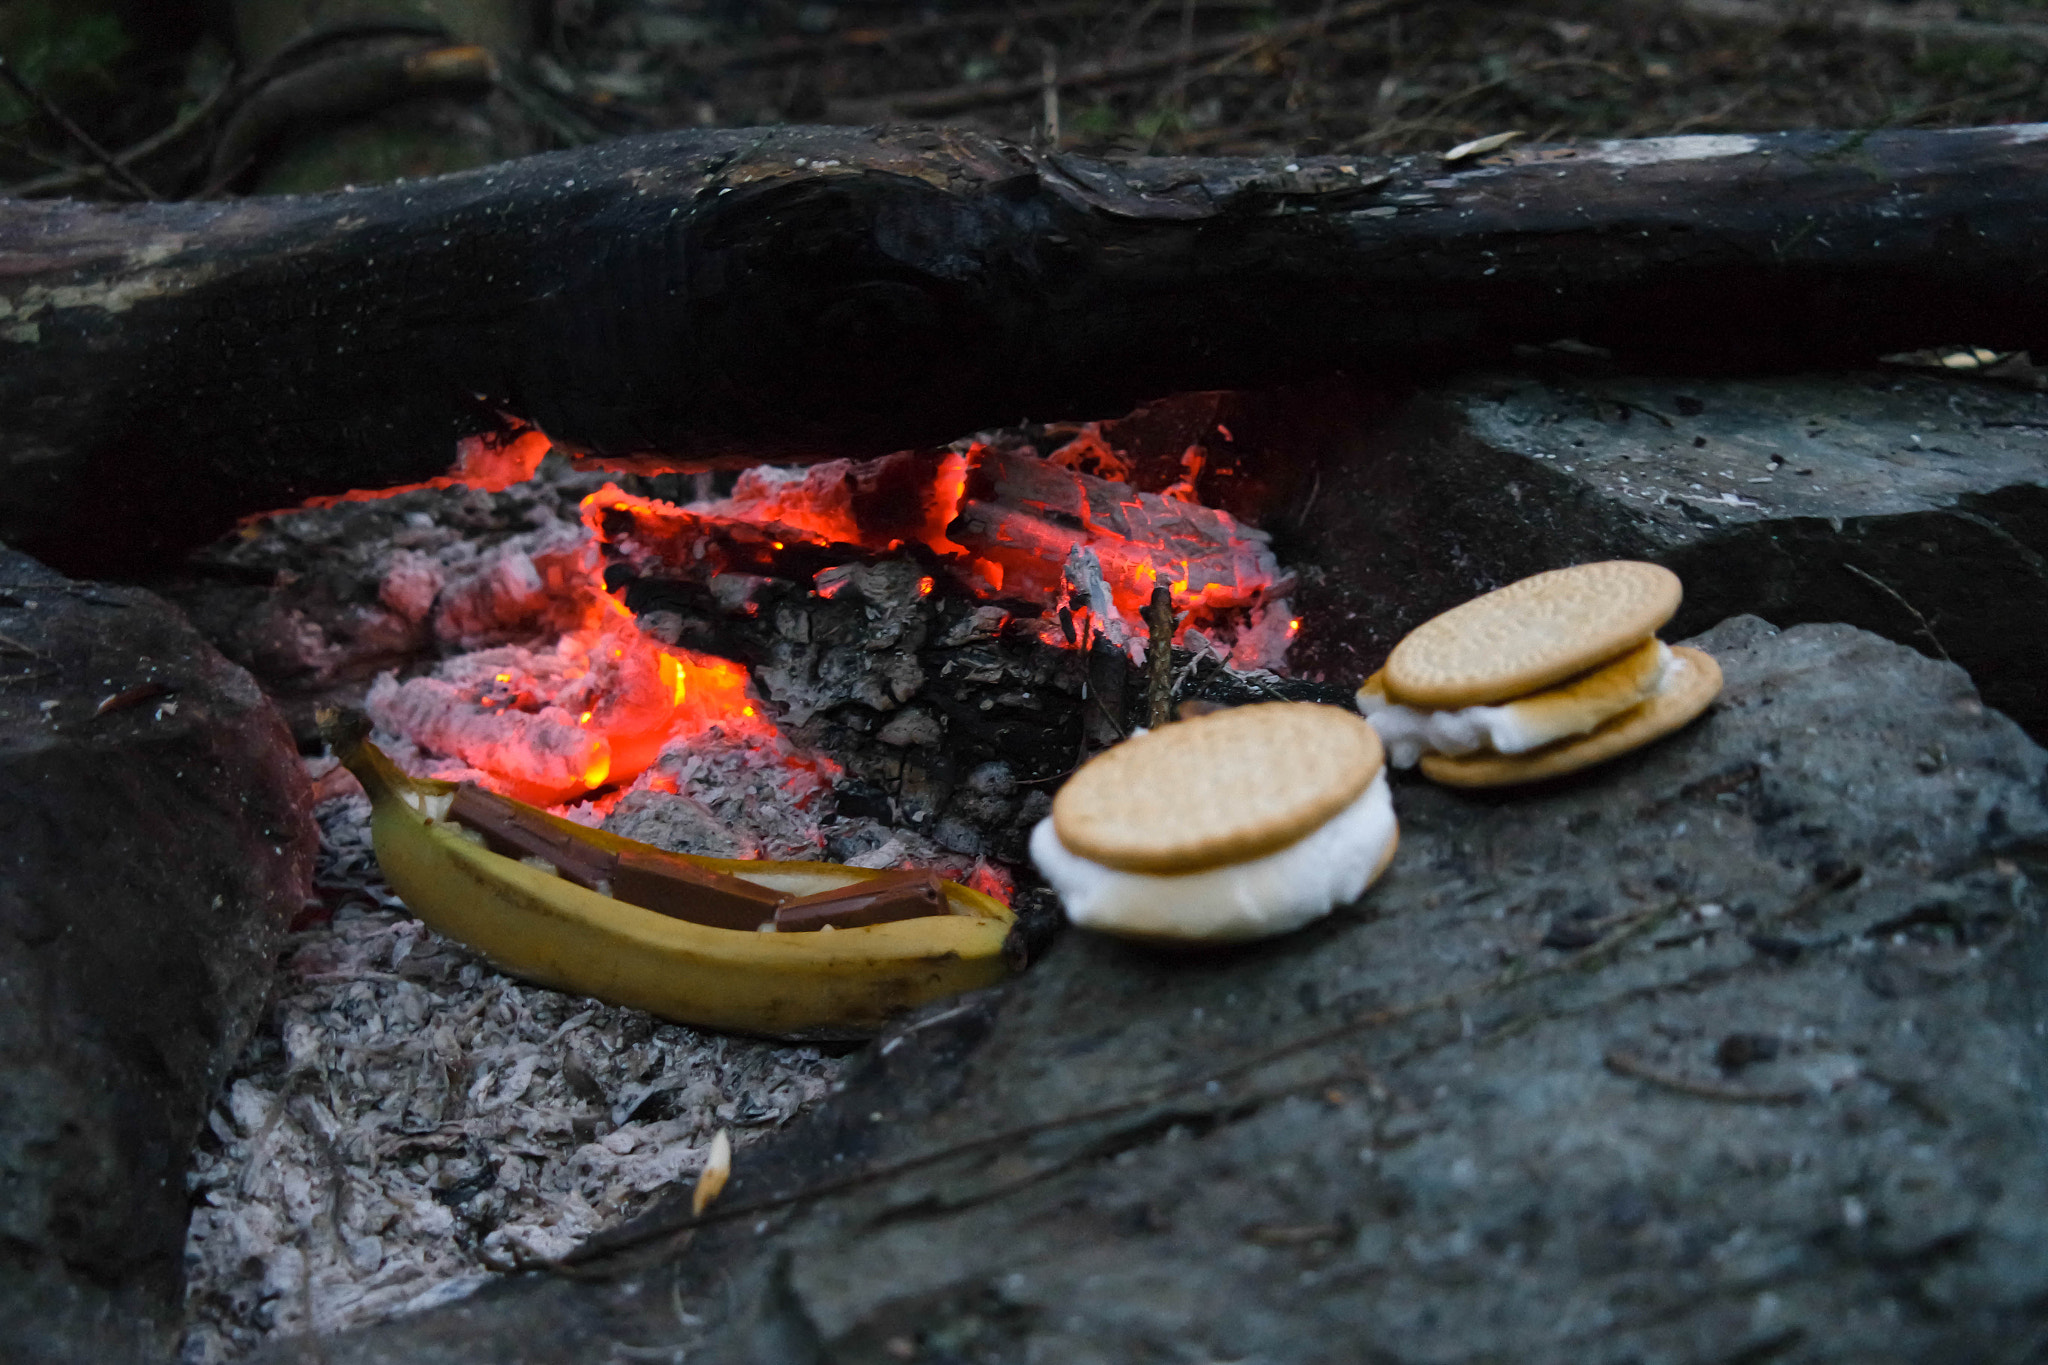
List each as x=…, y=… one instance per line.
x=802, y=293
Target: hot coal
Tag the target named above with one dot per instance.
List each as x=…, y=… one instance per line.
x=1037, y=534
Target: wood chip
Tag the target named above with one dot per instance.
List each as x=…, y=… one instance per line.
x=717, y=1170
x=1480, y=146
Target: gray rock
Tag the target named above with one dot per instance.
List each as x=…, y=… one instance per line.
x=1913, y=506
x=1772, y=1091
x=154, y=855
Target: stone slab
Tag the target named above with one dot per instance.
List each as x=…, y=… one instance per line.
x=1729, y=1050
x=1914, y=506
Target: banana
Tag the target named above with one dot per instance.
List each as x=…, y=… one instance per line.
x=533, y=924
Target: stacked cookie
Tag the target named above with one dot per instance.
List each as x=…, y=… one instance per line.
x=1540, y=678
x=1250, y=822
x=1235, y=825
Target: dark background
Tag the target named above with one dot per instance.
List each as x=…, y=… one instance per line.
x=1131, y=76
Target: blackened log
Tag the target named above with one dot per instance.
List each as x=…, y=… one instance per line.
x=807, y=292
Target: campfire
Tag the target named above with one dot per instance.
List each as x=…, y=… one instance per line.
x=872, y=662
x=618, y=645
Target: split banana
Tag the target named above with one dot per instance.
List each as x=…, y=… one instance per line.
x=545, y=928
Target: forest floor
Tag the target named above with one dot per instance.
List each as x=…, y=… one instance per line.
x=1127, y=77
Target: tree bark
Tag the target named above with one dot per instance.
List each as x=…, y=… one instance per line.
x=798, y=293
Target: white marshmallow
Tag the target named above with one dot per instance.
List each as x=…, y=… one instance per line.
x=1513, y=727
x=1327, y=867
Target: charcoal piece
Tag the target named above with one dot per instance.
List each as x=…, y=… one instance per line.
x=853, y=798
x=678, y=888
x=900, y=895
x=519, y=831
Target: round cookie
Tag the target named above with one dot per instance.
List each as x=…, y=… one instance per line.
x=1530, y=634
x=1692, y=684
x=1223, y=788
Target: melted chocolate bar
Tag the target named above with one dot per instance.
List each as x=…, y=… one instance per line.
x=649, y=878
x=899, y=895
x=669, y=885
x=520, y=831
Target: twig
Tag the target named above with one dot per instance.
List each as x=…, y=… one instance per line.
x=1049, y=79
x=1230, y=47
x=803, y=49
x=1159, y=657
x=149, y=146
x=658, y=1226
x=355, y=80
x=1865, y=20
x=1145, y=15
x=77, y=134
x=230, y=86
x=1926, y=628
x=1178, y=88
x=1629, y=405
x=1628, y=1064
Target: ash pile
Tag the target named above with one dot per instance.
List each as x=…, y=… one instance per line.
x=409, y=1123
x=886, y=664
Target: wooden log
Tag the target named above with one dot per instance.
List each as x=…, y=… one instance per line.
x=798, y=293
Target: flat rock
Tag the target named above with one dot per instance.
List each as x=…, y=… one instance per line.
x=1912, y=505
x=156, y=850
x=1729, y=1050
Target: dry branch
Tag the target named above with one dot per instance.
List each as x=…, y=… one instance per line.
x=1227, y=48
x=1913, y=22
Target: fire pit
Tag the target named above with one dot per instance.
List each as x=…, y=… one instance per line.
x=886, y=663
x=930, y=640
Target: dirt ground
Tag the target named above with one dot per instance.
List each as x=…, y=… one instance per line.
x=1118, y=76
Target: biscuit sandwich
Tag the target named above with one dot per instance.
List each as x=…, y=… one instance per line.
x=1540, y=678
x=1239, y=824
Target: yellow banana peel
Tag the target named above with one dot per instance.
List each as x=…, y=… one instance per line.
x=535, y=925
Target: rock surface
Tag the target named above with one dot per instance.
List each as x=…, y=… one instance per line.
x=1914, y=506
x=155, y=851
x=1730, y=1050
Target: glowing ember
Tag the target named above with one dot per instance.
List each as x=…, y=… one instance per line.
x=1001, y=522
x=1061, y=540
x=545, y=725
x=491, y=463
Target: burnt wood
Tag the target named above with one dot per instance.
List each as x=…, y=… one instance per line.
x=796, y=293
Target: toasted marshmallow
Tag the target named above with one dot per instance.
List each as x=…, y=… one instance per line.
x=1329, y=866
x=1577, y=707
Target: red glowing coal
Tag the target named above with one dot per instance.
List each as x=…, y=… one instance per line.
x=553, y=720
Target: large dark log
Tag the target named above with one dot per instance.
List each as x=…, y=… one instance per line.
x=796, y=293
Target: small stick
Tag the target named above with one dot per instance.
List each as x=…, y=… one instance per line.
x=77, y=134
x=1628, y=1064
x=1229, y=48
x=1926, y=628
x=1049, y=78
x=1159, y=658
